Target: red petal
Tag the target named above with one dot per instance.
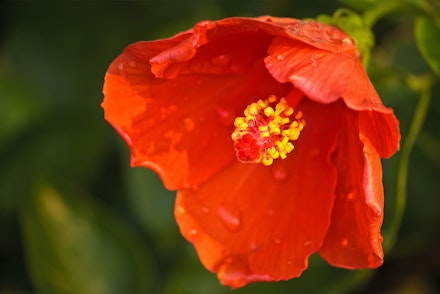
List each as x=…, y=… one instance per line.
x=382, y=130
x=354, y=240
x=179, y=127
x=256, y=223
x=326, y=76
x=220, y=41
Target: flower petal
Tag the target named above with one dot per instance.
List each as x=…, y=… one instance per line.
x=325, y=76
x=179, y=127
x=353, y=240
x=230, y=44
x=256, y=223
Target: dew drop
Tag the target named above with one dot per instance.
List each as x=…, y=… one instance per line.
x=121, y=68
x=280, y=57
x=253, y=246
x=229, y=218
x=234, y=272
x=279, y=173
x=277, y=241
x=350, y=196
x=194, y=232
x=226, y=115
x=188, y=123
x=289, y=262
x=344, y=242
x=308, y=243
x=313, y=60
x=132, y=64
x=347, y=41
x=221, y=60
x=181, y=210
x=205, y=210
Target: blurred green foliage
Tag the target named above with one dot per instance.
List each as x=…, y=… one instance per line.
x=75, y=218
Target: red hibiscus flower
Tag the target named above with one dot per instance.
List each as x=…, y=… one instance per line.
x=271, y=132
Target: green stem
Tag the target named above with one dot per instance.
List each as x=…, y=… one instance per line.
x=424, y=85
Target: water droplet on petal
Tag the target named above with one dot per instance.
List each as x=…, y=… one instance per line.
x=280, y=57
x=277, y=241
x=229, y=218
x=121, y=68
x=181, y=209
x=194, y=232
x=205, y=209
x=253, y=246
x=347, y=41
x=226, y=115
x=270, y=212
x=233, y=272
x=308, y=243
x=188, y=123
x=313, y=60
x=279, y=173
x=344, y=242
x=350, y=196
x=132, y=64
x=380, y=238
x=289, y=262
x=221, y=60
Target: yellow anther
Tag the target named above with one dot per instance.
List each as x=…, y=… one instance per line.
x=272, y=98
x=235, y=136
x=263, y=128
x=289, y=147
x=249, y=118
x=275, y=130
x=239, y=122
x=265, y=134
x=273, y=152
x=284, y=120
x=267, y=161
x=294, y=134
x=280, y=106
x=279, y=145
x=261, y=103
x=252, y=109
x=268, y=111
x=288, y=111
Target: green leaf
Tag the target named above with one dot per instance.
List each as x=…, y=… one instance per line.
x=427, y=36
x=73, y=245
